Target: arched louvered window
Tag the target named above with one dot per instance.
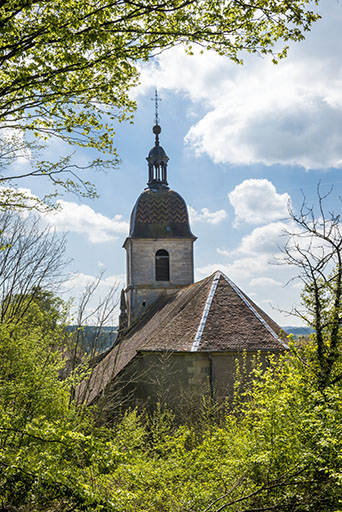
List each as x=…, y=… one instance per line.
x=162, y=265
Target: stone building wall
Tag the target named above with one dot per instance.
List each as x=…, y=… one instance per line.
x=179, y=380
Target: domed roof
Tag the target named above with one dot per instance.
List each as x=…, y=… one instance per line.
x=160, y=213
x=157, y=155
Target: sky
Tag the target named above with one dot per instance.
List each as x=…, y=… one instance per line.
x=243, y=142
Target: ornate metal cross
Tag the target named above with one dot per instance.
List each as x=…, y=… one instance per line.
x=156, y=99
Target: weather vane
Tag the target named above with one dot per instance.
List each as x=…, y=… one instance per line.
x=156, y=99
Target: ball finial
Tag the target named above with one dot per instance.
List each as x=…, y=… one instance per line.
x=156, y=129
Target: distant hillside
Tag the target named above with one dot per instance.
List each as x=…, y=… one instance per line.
x=298, y=331
x=91, y=337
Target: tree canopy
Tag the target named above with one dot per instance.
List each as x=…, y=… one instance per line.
x=63, y=64
x=66, y=67
x=314, y=247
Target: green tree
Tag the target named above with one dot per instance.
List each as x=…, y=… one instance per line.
x=50, y=453
x=314, y=247
x=66, y=67
x=32, y=259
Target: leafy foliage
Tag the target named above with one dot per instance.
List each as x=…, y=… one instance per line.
x=66, y=67
x=279, y=449
x=58, y=58
x=47, y=454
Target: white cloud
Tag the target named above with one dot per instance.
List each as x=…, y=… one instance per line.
x=204, y=215
x=263, y=240
x=252, y=257
x=264, y=281
x=163, y=72
x=70, y=216
x=106, y=291
x=14, y=148
x=238, y=269
x=286, y=114
x=77, y=282
x=223, y=252
x=81, y=218
x=256, y=201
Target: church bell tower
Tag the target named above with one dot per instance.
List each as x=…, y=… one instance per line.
x=159, y=247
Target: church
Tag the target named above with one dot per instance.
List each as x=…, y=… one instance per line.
x=178, y=340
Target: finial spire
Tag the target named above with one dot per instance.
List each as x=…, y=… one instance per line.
x=156, y=99
x=157, y=158
x=156, y=128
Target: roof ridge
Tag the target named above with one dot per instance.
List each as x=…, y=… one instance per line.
x=198, y=336
x=199, y=285
x=252, y=308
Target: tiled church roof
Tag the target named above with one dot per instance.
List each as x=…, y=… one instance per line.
x=213, y=315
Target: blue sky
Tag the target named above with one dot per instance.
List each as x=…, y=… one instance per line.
x=242, y=142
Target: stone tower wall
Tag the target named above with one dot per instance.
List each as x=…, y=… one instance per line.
x=142, y=287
